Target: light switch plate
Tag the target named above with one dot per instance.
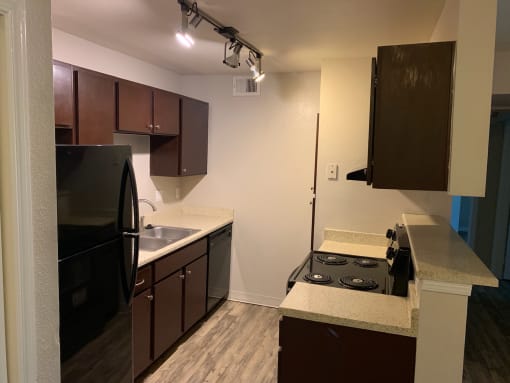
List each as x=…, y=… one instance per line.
x=332, y=171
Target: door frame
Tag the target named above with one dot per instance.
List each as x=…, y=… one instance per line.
x=16, y=202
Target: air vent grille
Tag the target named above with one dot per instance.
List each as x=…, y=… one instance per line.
x=245, y=86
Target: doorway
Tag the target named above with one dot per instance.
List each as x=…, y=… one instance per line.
x=483, y=222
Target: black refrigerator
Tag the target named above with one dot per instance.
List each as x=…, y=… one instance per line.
x=97, y=206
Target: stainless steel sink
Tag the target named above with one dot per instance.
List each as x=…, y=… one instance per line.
x=167, y=232
x=153, y=244
x=158, y=237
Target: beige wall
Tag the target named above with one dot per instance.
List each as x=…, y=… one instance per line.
x=343, y=139
x=260, y=163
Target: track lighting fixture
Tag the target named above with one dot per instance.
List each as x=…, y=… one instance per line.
x=234, y=42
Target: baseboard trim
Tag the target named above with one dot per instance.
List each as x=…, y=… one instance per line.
x=256, y=299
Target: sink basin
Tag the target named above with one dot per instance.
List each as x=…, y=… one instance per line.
x=153, y=244
x=169, y=233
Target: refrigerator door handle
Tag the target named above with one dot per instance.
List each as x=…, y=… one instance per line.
x=131, y=232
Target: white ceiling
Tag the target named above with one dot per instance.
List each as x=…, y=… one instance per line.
x=294, y=35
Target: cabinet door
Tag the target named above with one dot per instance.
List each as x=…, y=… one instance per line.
x=193, y=138
x=166, y=112
x=412, y=116
x=167, y=312
x=63, y=93
x=96, y=108
x=142, y=306
x=195, y=292
x=135, y=107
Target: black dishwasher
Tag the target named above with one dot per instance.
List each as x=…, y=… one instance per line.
x=218, y=280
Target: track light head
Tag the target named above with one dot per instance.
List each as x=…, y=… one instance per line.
x=232, y=60
x=256, y=70
x=182, y=34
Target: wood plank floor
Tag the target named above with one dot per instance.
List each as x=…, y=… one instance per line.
x=238, y=343
x=487, y=350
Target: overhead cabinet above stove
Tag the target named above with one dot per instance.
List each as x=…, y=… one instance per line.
x=410, y=117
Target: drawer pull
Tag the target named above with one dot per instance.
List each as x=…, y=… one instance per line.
x=150, y=297
x=140, y=283
x=189, y=272
x=182, y=276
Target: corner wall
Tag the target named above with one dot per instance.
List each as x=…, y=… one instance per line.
x=343, y=140
x=260, y=163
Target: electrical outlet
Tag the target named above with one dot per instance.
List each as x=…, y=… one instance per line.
x=332, y=171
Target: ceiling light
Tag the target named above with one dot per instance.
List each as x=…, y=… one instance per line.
x=195, y=20
x=182, y=34
x=232, y=60
x=256, y=70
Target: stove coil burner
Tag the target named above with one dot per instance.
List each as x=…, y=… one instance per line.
x=358, y=283
x=365, y=262
x=331, y=259
x=318, y=278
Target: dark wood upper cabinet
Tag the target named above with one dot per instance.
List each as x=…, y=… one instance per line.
x=195, y=292
x=134, y=107
x=95, y=102
x=166, y=112
x=145, y=110
x=409, y=141
x=63, y=93
x=186, y=154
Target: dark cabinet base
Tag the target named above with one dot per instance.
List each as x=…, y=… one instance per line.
x=320, y=352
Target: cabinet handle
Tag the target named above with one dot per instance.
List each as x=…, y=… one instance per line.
x=140, y=283
x=188, y=272
x=150, y=297
x=184, y=170
x=182, y=276
x=149, y=126
x=157, y=127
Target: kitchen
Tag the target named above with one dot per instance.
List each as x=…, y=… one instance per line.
x=282, y=202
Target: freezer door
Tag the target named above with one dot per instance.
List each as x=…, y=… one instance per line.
x=89, y=187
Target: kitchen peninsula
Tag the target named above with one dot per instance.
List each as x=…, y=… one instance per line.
x=434, y=310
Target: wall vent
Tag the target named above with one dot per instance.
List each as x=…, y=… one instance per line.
x=245, y=86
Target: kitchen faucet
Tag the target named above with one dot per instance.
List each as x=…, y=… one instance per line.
x=151, y=204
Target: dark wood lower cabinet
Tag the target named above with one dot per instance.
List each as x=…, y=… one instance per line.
x=195, y=292
x=167, y=312
x=321, y=352
x=142, y=314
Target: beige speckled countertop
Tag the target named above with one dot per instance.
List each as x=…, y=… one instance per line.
x=354, y=243
x=359, y=309
x=440, y=254
x=206, y=220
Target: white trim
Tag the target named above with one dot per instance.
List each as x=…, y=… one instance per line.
x=445, y=287
x=22, y=263
x=255, y=299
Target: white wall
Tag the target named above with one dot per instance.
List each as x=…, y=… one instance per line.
x=343, y=139
x=30, y=262
x=75, y=50
x=260, y=163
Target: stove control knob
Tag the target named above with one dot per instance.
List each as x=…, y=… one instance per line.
x=391, y=234
x=390, y=253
